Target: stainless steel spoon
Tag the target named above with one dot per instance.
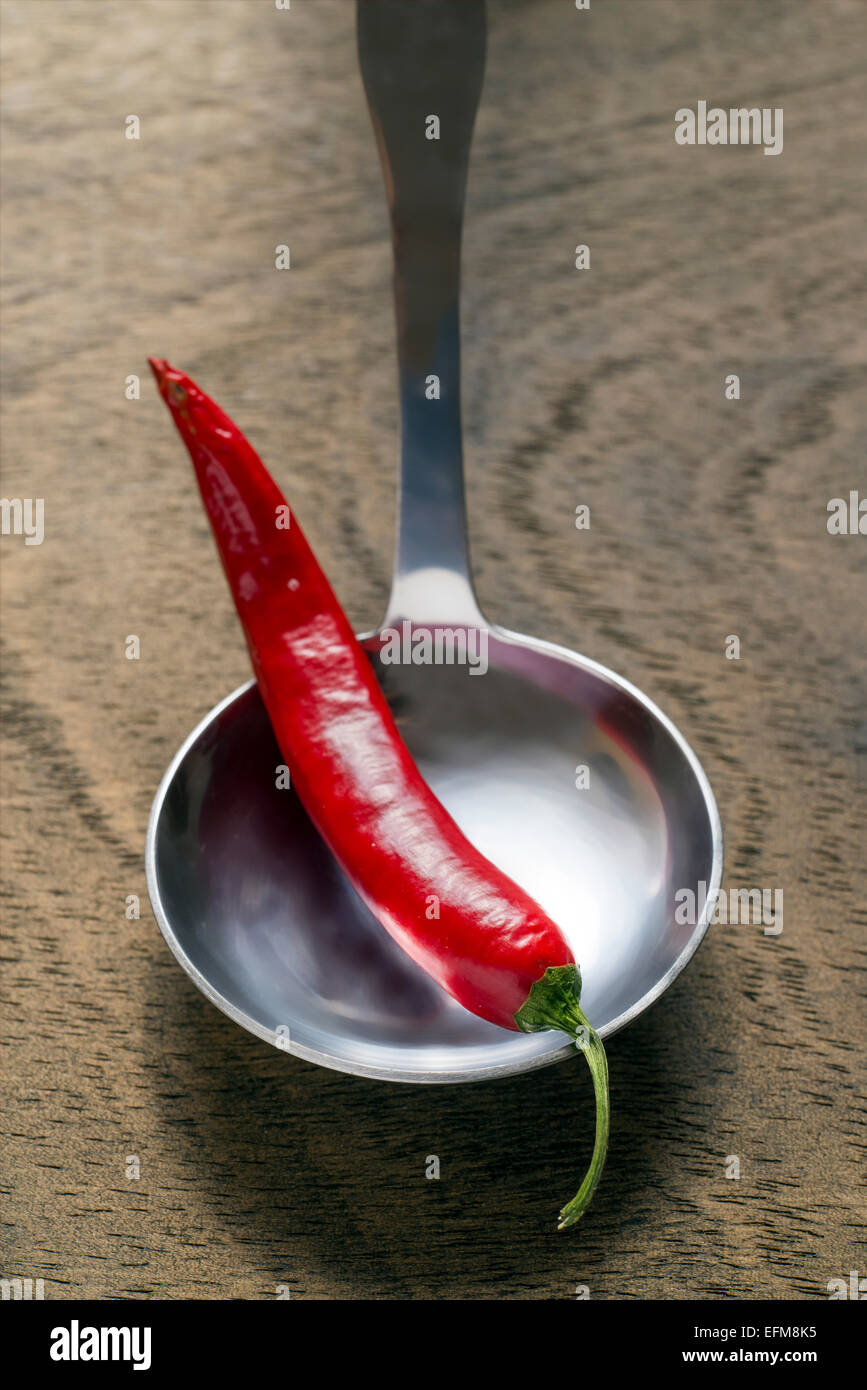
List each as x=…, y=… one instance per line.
x=249, y=899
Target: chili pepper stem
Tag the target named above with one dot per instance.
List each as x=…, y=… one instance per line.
x=553, y=1002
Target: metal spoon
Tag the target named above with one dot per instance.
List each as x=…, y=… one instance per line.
x=249, y=899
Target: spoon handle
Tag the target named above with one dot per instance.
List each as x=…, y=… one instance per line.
x=422, y=64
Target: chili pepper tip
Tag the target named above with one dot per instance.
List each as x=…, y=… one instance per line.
x=159, y=366
x=170, y=383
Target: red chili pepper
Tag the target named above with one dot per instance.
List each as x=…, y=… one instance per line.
x=487, y=942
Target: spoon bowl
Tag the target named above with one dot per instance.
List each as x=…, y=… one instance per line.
x=565, y=776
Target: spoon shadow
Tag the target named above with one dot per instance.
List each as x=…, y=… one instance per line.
x=323, y=1171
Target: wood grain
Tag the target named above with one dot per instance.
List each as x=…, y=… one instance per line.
x=603, y=387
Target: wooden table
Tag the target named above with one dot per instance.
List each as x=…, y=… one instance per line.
x=603, y=387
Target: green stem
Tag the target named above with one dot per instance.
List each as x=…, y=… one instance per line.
x=553, y=1002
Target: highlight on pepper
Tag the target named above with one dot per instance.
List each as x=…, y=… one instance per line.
x=490, y=946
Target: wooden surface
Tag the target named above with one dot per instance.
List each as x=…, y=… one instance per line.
x=603, y=387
